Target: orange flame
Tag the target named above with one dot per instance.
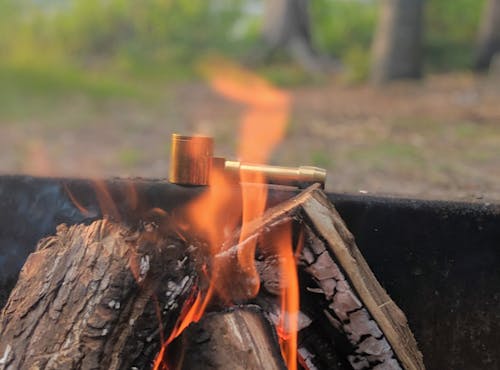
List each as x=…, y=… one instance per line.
x=262, y=128
x=287, y=327
x=289, y=300
x=220, y=210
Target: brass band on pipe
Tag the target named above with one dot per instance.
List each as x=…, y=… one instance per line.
x=278, y=174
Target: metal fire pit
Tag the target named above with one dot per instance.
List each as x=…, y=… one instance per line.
x=439, y=261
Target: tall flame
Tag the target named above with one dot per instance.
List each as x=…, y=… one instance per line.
x=220, y=210
x=262, y=127
x=288, y=326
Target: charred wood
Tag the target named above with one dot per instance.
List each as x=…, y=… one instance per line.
x=240, y=338
x=376, y=311
x=358, y=306
x=109, y=296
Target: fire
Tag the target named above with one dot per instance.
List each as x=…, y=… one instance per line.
x=262, y=127
x=288, y=326
x=218, y=212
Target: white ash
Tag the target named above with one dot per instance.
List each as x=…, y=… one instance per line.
x=174, y=290
x=181, y=263
x=114, y=304
x=5, y=356
x=303, y=321
x=153, y=335
x=315, y=290
x=171, y=286
x=150, y=226
x=143, y=267
x=67, y=342
x=307, y=357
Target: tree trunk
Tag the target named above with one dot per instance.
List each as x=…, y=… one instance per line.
x=489, y=35
x=397, y=47
x=95, y=297
x=287, y=26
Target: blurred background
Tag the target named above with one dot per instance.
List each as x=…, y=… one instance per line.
x=391, y=96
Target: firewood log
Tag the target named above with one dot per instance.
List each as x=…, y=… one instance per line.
x=104, y=296
x=240, y=338
x=357, y=305
x=95, y=297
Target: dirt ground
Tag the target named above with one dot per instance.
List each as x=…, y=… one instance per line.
x=439, y=138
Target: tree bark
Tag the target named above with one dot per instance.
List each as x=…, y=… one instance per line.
x=397, y=47
x=287, y=26
x=95, y=297
x=488, y=43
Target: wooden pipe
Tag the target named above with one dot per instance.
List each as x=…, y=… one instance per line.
x=192, y=160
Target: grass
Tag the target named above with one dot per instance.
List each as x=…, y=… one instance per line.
x=321, y=158
x=26, y=91
x=129, y=157
x=387, y=155
x=59, y=80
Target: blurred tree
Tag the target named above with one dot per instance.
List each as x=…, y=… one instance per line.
x=489, y=35
x=397, y=48
x=287, y=25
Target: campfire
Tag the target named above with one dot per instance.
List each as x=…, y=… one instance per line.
x=223, y=282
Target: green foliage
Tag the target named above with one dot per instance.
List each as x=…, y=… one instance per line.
x=339, y=26
x=344, y=30
x=162, y=40
x=357, y=64
x=28, y=90
x=92, y=33
x=129, y=157
x=321, y=158
x=157, y=31
x=451, y=28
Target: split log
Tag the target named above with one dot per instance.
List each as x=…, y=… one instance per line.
x=376, y=307
x=241, y=338
x=100, y=296
x=356, y=303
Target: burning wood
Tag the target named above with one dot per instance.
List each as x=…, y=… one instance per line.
x=240, y=338
x=91, y=297
x=107, y=296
